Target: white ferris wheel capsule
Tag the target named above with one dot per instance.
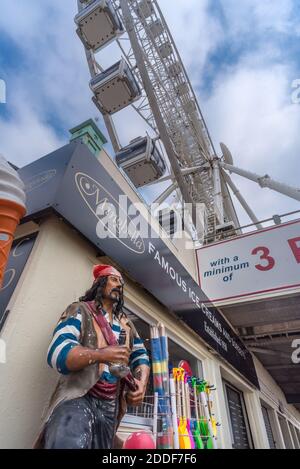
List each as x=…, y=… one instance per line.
x=115, y=88
x=98, y=24
x=141, y=161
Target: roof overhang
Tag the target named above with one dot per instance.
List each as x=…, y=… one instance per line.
x=271, y=329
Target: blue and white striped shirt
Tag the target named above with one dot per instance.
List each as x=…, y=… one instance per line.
x=66, y=336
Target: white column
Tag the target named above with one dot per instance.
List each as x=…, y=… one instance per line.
x=276, y=427
x=256, y=420
x=294, y=436
x=288, y=440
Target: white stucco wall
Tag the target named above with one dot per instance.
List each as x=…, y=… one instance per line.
x=58, y=271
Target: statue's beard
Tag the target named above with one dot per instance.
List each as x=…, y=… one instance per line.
x=113, y=297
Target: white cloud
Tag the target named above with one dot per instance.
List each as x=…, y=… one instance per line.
x=195, y=32
x=256, y=16
x=26, y=135
x=27, y=139
x=52, y=82
x=250, y=109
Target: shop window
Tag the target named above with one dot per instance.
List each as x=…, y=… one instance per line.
x=19, y=255
x=239, y=425
x=178, y=354
x=268, y=426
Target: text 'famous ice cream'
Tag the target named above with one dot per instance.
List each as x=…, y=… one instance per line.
x=12, y=209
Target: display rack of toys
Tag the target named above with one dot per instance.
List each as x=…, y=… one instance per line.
x=180, y=412
x=185, y=405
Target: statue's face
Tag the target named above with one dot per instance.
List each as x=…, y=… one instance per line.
x=113, y=289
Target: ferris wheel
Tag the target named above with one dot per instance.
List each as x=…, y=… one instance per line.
x=151, y=78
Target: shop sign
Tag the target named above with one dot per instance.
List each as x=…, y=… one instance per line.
x=252, y=266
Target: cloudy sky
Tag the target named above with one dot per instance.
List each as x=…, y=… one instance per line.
x=242, y=58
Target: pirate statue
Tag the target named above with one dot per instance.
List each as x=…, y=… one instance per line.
x=104, y=367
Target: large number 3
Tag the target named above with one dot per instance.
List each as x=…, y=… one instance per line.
x=264, y=257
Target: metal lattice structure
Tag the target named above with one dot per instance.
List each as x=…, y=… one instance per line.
x=168, y=104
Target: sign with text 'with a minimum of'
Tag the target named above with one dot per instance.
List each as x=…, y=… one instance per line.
x=252, y=266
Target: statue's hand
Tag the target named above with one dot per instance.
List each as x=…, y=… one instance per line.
x=114, y=354
x=135, y=398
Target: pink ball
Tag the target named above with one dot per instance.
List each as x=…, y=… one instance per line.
x=140, y=440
